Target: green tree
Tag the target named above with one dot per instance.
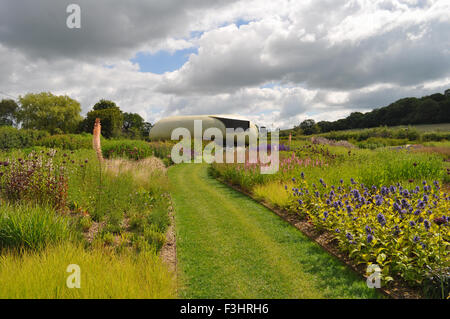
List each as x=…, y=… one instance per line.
x=8, y=112
x=146, y=129
x=45, y=111
x=133, y=125
x=111, y=118
x=309, y=127
x=104, y=104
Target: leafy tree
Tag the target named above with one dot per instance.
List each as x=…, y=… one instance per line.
x=146, y=129
x=104, y=104
x=45, y=111
x=309, y=127
x=111, y=121
x=133, y=125
x=8, y=112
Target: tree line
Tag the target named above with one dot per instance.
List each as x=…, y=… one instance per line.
x=61, y=114
x=431, y=109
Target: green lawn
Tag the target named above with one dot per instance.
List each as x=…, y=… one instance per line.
x=229, y=246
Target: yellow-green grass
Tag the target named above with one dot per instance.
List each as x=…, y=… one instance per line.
x=34, y=275
x=273, y=192
x=229, y=246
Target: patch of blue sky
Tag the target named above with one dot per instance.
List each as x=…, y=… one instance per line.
x=270, y=85
x=162, y=61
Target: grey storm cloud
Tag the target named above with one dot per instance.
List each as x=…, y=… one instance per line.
x=108, y=27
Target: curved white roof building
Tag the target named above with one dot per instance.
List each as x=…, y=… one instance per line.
x=162, y=130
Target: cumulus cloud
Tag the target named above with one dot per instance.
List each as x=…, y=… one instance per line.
x=277, y=62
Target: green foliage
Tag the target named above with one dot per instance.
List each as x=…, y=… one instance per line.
x=31, y=227
x=45, y=111
x=11, y=137
x=104, y=104
x=434, y=108
x=67, y=141
x=8, y=112
x=308, y=127
x=111, y=121
x=127, y=149
x=133, y=125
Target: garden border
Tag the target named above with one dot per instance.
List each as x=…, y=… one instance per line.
x=398, y=290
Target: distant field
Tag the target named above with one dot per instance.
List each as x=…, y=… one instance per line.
x=442, y=127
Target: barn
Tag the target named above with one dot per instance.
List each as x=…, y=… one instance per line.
x=162, y=130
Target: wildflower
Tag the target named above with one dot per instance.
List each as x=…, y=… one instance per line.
x=381, y=219
x=341, y=181
x=349, y=236
x=369, y=238
x=416, y=239
x=337, y=230
x=396, y=230
x=426, y=224
x=440, y=220
x=368, y=229
x=349, y=209
x=412, y=223
x=302, y=175
x=379, y=200
x=325, y=214
x=421, y=204
x=285, y=187
x=300, y=202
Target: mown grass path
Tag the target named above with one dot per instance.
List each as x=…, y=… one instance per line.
x=229, y=246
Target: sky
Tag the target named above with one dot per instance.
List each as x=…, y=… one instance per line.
x=277, y=62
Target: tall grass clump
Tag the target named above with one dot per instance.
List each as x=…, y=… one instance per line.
x=31, y=227
x=103, y=275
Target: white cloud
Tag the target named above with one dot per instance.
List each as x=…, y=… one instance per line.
x=322, y=59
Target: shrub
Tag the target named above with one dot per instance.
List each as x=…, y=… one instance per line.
x=11, y=137
x=132, y=149
x=67, y=141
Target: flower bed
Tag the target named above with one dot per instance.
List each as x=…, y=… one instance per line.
x=404, y=231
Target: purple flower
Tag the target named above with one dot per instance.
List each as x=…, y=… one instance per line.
x=337, y=230
x=381, y=219
x=412, y=223
x=369, y=238
x=368, y=229
x=416, y=239
x=427, y=224
x=302, y=175
x=349, y=236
